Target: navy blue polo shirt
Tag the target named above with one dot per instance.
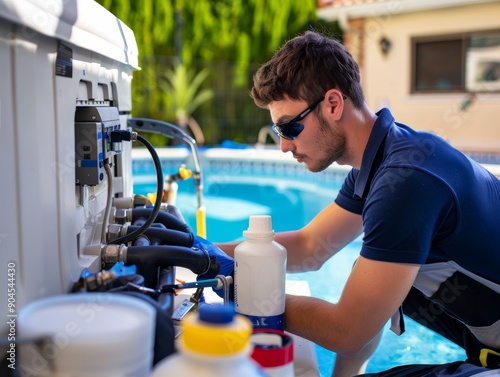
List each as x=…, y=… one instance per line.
x=424, y=202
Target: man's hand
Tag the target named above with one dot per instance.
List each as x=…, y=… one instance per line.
x=225, y=261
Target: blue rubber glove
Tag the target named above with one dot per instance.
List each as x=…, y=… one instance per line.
x=225, y=261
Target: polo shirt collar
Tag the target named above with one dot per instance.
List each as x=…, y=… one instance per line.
x=369, y=163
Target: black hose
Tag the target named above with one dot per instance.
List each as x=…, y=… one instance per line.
x=169, y=220
x=149, y=258
x=174, y=211
x=159, y=193
x=141, y=221
x=161, y=236
x=165, y=299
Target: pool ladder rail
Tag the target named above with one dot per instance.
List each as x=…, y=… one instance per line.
x=264, y=134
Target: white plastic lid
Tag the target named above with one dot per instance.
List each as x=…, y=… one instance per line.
x=259, y=227
x=92, y=331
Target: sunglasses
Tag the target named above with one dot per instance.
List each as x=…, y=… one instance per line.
x=291, y=129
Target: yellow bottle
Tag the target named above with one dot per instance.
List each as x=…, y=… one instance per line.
x=215, y=342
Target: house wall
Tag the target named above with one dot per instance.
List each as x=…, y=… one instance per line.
x=386, y=79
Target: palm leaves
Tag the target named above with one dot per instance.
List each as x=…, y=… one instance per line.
x=183, y=94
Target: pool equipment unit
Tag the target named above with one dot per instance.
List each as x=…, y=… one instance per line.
x=65, y=85
x=72, y=224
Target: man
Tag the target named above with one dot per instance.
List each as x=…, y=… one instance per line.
x=431, y=242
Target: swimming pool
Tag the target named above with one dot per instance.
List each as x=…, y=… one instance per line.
x=240, y=183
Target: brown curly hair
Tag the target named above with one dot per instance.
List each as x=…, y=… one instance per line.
x=305, y=68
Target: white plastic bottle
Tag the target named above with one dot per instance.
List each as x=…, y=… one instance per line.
x=213, y=343
x=259, y=275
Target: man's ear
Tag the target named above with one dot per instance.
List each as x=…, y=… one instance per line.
x=336, y=103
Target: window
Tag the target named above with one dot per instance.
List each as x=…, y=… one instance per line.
x=483, y=63
x=459, y=63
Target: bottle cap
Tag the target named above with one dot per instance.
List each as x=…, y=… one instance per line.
x=216, y=330
x=216, y=313
x=272, y=348
x=259, y=227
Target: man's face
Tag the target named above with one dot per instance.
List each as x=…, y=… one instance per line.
x=320, y=143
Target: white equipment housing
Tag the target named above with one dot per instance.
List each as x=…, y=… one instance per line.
x=57, y=56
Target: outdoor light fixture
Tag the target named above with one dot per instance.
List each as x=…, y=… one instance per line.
x=385, y=45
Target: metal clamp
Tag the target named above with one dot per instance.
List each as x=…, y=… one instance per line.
x=224, y=282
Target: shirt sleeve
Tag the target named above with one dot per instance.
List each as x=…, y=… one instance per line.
x=346, y=199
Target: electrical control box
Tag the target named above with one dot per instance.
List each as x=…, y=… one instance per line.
x=93, y=127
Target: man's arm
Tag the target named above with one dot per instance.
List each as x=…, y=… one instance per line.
x=372, y=294
x=308, y=248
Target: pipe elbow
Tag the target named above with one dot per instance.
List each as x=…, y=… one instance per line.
x=148, y=259
x=162, y=236
x=168, y=220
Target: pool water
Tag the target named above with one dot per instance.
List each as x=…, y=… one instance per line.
x=292, y=196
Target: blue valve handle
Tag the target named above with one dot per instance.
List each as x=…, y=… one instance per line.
x=193, y=284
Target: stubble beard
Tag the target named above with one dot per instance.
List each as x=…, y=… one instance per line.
x=333, y=144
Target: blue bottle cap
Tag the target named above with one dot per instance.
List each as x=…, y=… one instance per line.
x=216, y=313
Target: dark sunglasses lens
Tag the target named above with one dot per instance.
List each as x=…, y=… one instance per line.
x=289, y=130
